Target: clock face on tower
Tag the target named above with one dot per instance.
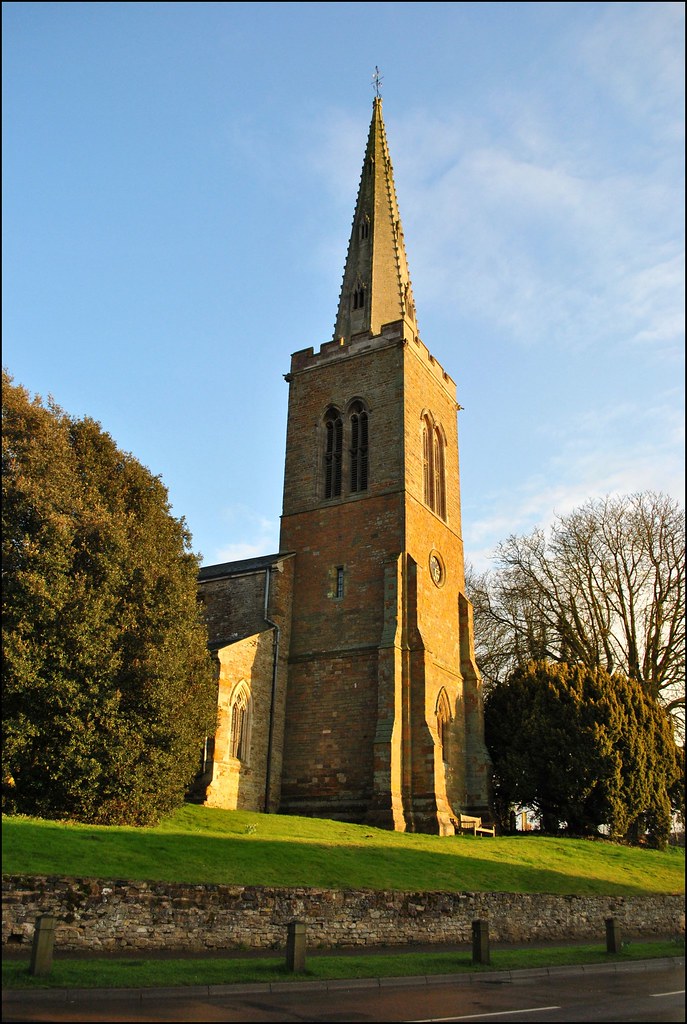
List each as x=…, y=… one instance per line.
x=436, y=568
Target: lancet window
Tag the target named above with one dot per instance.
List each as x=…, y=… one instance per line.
x=358, y=447
x=239, y=729
x=345, y=450
x=443, y=713
x=333, y=426
x=434, y=466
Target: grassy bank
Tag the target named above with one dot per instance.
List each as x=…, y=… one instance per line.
x=203, y=845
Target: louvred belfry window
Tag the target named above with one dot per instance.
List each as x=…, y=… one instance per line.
x=359, y=297
x=358, y=449
x=332, y=453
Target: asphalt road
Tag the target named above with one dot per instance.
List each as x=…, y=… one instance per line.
x=642, y=991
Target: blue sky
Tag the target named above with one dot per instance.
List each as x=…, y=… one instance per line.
x=179, y=184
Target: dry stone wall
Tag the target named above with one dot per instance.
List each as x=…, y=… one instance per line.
x=101, y=915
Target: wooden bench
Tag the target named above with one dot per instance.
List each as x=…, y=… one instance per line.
x=468, y=823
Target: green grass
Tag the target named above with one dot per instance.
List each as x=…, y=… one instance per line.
x=140, y=973
x=204, y=845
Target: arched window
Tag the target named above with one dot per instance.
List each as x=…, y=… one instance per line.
x=427, y=460
x=439, y=478
x=433, y=466
x=239, y=729
x=443, y=713
x=358, y=447
x=333, y=446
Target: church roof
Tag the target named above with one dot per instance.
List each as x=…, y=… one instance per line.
x=376, y=286
x=241, y=567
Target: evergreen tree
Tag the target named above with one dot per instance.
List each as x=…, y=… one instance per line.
x=108, y=686
x=583, y=748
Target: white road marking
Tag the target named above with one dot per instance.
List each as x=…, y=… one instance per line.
x=481, y=1016
x=657, y=995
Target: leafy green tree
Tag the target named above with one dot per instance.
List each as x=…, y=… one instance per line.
x=583, y=748
x=108, y=686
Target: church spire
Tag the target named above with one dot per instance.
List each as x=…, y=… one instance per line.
x=376, y=287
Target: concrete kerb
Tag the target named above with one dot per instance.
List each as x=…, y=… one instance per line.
x=344, y=983
x=57, y=995
x=407, y=981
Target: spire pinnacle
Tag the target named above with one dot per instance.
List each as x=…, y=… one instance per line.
x=376, y=286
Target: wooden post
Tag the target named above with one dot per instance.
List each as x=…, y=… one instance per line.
x=43, y=944
x=480, y=942
x=295, y=946
x=613, y=943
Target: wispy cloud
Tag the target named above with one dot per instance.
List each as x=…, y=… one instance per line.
x=614, y=55
x=523, y=218
x=595, y=462
x=528, y=221
x=252, y=535
x=551, y=256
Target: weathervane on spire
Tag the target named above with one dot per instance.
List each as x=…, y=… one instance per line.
x=377, y=82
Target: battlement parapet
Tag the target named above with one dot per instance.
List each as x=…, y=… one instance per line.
x=398, y=332
x=434, y=365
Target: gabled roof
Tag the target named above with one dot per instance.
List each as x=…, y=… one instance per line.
x=376, y=287
x=242, y=567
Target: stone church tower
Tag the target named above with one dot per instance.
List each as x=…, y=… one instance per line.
x=347, y=685
x=383, y=716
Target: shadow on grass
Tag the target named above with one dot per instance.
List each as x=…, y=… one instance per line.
x=139, y=855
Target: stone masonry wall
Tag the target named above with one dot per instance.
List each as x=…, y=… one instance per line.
x=241, y=784
x=233, y=606
x=101, y=915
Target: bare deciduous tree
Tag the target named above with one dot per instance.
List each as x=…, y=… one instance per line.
x=604, y=587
